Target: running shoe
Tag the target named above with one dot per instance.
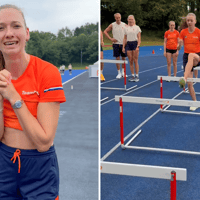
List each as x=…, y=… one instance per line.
x=182, y=82
x=119, y=76
x=193, y=108
x=137, y=79
x=123, y=74
x=132, y=79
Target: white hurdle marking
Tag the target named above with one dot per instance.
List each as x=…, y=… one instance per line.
x=104, y=99
x=172, y=78
x=158, y=101
x=114, y=61
x=147, y=171
x=196, y=68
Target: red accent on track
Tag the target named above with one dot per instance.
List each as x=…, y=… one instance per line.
x=124, y=74
x=173, y=185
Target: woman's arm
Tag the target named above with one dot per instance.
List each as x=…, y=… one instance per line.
x=41, y=131
x=139, y=40
x=165, y=42
x=124, y=43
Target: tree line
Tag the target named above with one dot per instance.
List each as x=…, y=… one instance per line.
x=66, y=46
x=150, y=14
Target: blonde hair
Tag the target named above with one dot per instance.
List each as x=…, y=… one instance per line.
x=172, y=22
x=117, y=14
x=133, y=18
x=191, y=14
x=2, y=61
x=5, y=6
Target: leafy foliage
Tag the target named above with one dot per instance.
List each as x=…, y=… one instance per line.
x=66, y=46
x=149, y=14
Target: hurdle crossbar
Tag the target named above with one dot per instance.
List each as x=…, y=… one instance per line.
x=124, y=62
x=163, y=150
x=171, y=78
x=114, y=61
x=147, y=171
x=158, y=101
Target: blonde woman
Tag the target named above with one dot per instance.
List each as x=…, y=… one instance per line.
x=171, y=39
x=133, y=39
x=30, y=96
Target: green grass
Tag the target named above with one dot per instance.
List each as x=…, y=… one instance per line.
x=149, y=38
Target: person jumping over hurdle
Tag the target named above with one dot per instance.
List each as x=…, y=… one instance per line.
x=133, y=39
x=190, y=37
x=117, y=28
x=171, y=39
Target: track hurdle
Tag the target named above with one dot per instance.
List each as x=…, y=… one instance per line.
x=169, y=78
x=148, y=171
x=124, y=62
x=157, y=101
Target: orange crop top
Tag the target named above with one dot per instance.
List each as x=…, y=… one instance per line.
x=41, y=82
x=191, y=40
x=172, y=39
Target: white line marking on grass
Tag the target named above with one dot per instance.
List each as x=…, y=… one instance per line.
x=73, y=78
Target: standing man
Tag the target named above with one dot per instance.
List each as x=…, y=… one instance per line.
x=117, y=28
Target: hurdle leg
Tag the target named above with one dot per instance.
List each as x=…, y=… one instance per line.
x=121, y=123
x=173, y=185
x=161, y=92
x=124, y=75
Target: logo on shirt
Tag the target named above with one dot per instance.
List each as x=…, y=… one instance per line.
x=29, y=93
x=195, y=37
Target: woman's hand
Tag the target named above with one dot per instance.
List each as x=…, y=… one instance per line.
x=102, y=44
x=165, y=53
x=123, y=50
x=7, y=89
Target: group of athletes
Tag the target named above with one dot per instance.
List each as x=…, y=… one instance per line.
x=126, y=41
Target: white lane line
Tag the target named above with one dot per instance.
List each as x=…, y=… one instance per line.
x=73, y=78
x=139, y=73
x=134, y=90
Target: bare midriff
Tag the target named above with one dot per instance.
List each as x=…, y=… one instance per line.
x=17, y=139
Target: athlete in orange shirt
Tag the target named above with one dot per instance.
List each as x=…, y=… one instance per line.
x=190, y=37
x=30, y=95
x=171, y=38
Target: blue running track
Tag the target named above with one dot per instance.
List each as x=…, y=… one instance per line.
x=164, y=130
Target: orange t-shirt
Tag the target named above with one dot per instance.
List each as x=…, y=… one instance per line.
x=191, y=40
x=41, y=82
x=172, y=39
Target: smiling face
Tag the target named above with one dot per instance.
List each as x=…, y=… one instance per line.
x=13, y=33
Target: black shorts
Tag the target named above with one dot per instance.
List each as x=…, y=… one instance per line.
x=185, y=60
x=117, y=50
x=172, y=51
x=101, y=48
x=132, y=45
